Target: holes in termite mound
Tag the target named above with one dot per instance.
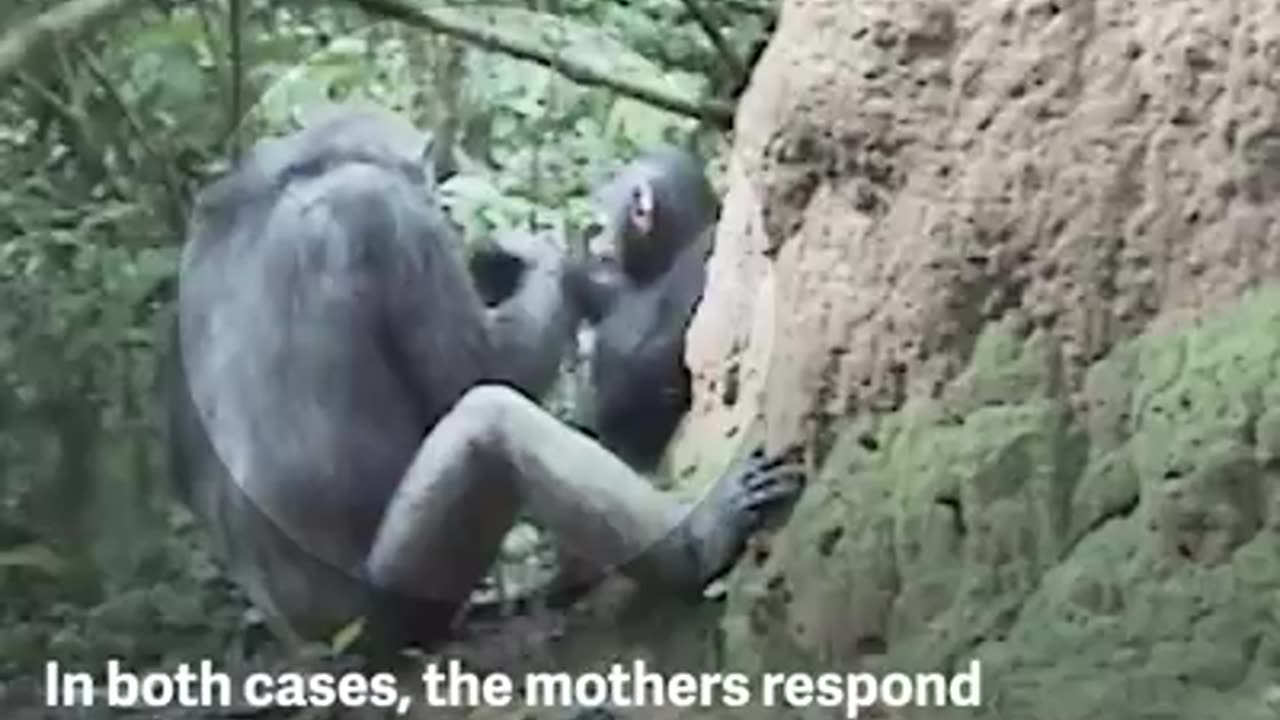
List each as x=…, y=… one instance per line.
x=829, y=539
x=952, y=503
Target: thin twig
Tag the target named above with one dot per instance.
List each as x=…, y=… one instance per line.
x=76, y=128
x=215, y=50
x=169, y=175
x=731, y=61
x=235, y=29
x=50, y=98
x=752, y=7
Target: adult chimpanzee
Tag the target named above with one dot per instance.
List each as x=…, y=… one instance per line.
x=658, y=214
x=336, y=425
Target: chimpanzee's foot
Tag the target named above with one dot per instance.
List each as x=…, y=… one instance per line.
x=738, y=504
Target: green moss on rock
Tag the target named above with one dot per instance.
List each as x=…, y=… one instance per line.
x=1113, y=553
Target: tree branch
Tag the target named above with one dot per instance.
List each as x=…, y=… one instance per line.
x=72, y=18
x=76, y=128
x=753, y=7
x=719, y=113
x=235, y=31
x=730, y=58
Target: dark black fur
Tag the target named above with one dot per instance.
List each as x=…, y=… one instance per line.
x=325, y=309
x=642, y=302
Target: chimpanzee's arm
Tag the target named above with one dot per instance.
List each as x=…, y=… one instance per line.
x=680, y=292
x=594, y=286
x=532, y=329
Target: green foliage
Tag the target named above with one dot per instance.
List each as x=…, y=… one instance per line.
x=103, y=144
x=536, y=140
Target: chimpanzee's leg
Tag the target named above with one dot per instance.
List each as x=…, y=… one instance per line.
x=497, y=450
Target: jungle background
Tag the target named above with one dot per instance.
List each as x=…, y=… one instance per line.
x=1006, y=268
x=115, y=113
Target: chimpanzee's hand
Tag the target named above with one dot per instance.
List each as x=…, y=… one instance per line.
x=738, y=504
x=592, y=285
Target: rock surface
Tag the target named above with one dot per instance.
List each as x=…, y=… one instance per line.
x=906, y=171
x=995, y=260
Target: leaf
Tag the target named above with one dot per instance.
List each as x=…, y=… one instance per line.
x=32, y=557
x=345, y=638
x=177, y=30
x=155, y=264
